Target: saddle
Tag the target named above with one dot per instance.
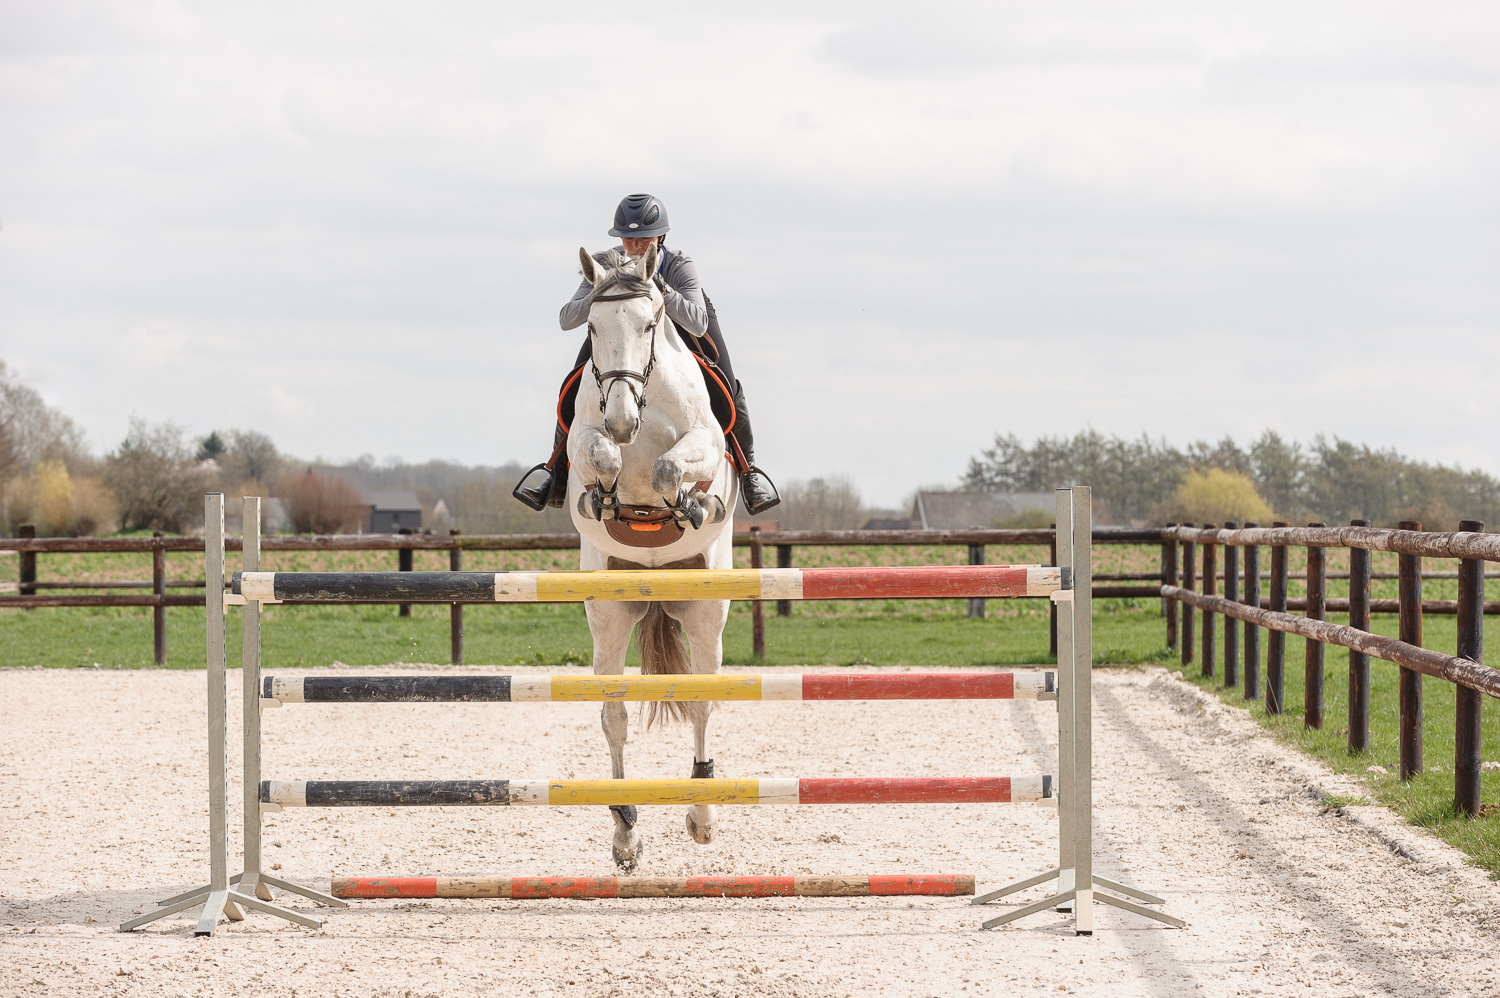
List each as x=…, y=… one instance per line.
x=649, y=526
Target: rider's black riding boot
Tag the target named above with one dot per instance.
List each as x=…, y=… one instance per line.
x=552, y=488
x=756, y=487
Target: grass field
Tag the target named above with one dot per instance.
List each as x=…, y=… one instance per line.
x=867, y=634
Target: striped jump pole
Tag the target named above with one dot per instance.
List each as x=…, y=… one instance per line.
x=566, y=689
x=932, y=582
x=536, y=888
x=277, y=794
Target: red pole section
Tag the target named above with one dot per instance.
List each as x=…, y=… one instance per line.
x=977, y=686
x=535, y=888
x=918, y=790
x=931, y=582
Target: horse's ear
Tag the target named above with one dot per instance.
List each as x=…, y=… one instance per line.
x=592, y=272
x=648, y=262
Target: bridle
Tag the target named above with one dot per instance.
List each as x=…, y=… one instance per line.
x=628, y=376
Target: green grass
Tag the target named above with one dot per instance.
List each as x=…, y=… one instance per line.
x=882, y=633
x=1426, y=800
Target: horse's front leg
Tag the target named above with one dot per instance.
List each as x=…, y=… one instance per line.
x=593, y=455
x=704, y=624
x=693, y=458
x=611, y=624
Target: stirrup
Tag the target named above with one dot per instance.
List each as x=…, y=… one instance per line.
x=535, y=498
x=755, y=509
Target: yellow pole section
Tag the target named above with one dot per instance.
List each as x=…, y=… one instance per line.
x=653, y=792
x=568, y=688
x=565, y=587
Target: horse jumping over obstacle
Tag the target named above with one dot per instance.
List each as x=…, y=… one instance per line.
x=651, y=487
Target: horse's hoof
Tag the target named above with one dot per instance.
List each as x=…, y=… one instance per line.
x=702, y=834
x=628, y=863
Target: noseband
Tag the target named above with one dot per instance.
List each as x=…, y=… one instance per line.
x=628, y=376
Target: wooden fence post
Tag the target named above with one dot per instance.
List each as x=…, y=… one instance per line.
x=1409, y=600
x=159, y=587
x=976, y=557
x=1210, y=588
x=757, y=609
x=1185, y=633
x=456, y=610
x=403, y=564
x=1052, y=607
x=1169, y=578
x=783, y=560
x=1231, y=592
x=1276, y=640
x=1312, y=676
x=1469, y=704
x=1252, y=633
x=1359, y=662
x=27, y=575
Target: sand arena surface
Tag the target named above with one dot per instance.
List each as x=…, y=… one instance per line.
x=103, y=810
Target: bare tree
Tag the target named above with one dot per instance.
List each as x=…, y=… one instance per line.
x=31, y=431
x=821, y=504
x=154, y=478
x=318, y=503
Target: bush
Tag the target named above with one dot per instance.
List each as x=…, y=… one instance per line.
x=155, y=480
x=1216, y=496
x=321, y=504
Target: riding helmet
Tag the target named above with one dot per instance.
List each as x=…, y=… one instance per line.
x=639, y=216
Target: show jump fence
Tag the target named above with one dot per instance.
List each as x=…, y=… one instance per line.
x=1472, y=679
x=31, y=592
x=1068, y=587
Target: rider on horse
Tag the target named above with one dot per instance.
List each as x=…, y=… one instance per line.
x=639, y=219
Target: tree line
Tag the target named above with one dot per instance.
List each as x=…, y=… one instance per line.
x=1331, y=480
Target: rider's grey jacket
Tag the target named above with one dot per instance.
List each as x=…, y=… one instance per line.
x=683, y=293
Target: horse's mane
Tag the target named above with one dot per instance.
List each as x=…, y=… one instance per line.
x=621, y=273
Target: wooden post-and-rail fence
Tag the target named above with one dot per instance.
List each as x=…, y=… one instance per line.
x=29, y=592
x=1470, y=545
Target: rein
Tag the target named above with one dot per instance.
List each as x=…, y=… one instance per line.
x=628, y=376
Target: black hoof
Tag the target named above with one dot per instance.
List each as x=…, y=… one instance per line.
x=628, y=813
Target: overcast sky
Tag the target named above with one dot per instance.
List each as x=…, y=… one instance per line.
x=351, y=226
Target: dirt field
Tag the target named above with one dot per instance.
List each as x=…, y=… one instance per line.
x=102, y=810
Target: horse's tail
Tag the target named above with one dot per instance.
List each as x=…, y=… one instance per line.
x=663, y=653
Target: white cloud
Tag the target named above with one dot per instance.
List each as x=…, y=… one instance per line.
x=375, y=211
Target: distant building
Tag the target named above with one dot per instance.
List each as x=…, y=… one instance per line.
x=886, y=523
x=971, y=510
x=392, y=512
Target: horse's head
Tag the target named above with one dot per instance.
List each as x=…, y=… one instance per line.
x=624, y=314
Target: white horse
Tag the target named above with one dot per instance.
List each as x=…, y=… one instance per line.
x=651, y=487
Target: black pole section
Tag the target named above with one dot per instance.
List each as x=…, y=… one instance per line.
x=1210, y=588
x=1409, y=599
x=1470, y=706
x=1359, y=662
x=1276, y=641
x=1185, y=632
x=1252, y=633
x=1231, y=592
x=403, y=564
x=976, y=603
x=1312, y=676
x=1169, y=578
x=455, y=610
